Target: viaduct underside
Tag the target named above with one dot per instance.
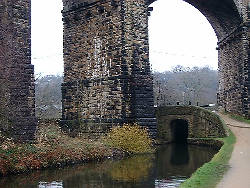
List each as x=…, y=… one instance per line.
x=107, y=76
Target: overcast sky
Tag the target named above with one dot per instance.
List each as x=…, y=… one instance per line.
x=179, y=35
x=47, y=36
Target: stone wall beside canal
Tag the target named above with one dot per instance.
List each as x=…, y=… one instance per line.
x=201, y=123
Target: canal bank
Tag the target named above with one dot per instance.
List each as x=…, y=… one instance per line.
x=211, y=173
x=55, y=149
x=169, y=166
x=58, y=157
x=238, y=173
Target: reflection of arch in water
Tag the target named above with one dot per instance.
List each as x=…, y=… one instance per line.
x=179, y=154
x=54, y=184
x=179, y=130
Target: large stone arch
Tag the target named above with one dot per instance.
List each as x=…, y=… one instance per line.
x=107, y=78
x=115, y=35
x=222, y=15
x=228, y=19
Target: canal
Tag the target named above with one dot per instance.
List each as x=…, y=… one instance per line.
x=167, y=168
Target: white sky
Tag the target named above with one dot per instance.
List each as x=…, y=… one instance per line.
x=47, y=36
x=179, y=35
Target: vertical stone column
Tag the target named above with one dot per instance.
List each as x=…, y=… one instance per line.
x=136, y=58
x=92, y=94
x=16, y=71
x=233, y=92
x=247, y=57
x=107, y=79
x=234, y=70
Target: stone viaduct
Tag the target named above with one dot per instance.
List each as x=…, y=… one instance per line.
x=107, y=77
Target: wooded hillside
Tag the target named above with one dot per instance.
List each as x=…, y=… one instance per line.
x=48, y=97
x=182, y=84
x=186, y=85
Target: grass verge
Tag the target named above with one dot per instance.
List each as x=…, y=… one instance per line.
x=239, y=118
x=209, y=175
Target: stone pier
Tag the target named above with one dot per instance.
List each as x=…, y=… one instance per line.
x=107, y=76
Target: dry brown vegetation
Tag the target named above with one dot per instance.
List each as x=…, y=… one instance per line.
x=53, y=148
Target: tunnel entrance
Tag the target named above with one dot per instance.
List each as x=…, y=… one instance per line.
x=179, y=130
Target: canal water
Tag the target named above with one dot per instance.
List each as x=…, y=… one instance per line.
x=167, y=168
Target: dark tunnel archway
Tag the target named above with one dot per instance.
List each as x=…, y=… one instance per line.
x=179, y=130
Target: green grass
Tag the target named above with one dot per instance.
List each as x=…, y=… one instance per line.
x=210, y=174
x=239, y=118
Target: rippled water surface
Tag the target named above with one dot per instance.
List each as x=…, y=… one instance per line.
x=170, y=166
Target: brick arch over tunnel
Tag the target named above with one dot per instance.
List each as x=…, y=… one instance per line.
x=107, y=76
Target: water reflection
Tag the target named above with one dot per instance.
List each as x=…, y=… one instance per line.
x=132, y=169
x=170, y=166
x=179, y=154
x=170, y=183
x=53, y=184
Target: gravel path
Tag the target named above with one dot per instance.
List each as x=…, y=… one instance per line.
x=238, y=176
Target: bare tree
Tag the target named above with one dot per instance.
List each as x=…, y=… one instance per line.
x=186, y=86
x=48, y=97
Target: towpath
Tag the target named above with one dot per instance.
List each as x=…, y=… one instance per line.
x=238, y=176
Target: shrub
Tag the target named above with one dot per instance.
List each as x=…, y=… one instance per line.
x=130, y=138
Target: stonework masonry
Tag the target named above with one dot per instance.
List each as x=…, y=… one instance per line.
x=107, y=76
x=234, y=83
x=16, y=71
x=107, y=79
x=201, y=123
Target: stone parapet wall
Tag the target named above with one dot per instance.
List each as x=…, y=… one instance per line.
x=201, y=123
x=213, y=143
